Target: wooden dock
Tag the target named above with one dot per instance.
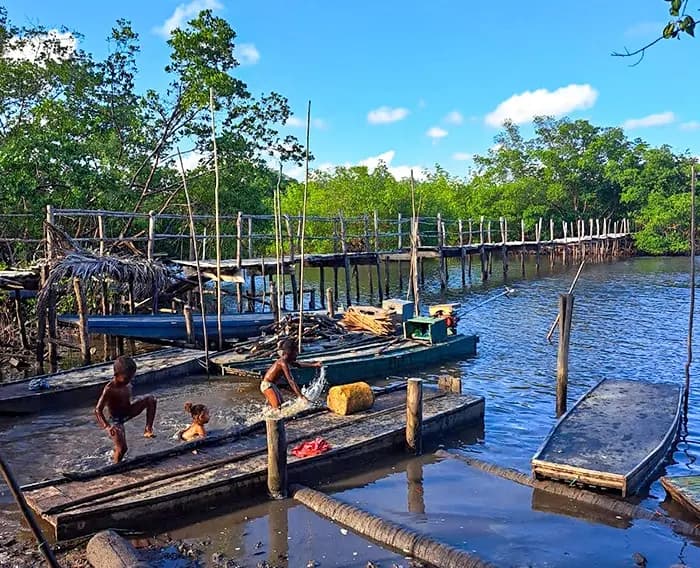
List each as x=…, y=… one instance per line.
x=76, y=386
x=616, y=436
x=133, y=496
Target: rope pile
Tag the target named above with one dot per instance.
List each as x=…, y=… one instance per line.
x=374, y=320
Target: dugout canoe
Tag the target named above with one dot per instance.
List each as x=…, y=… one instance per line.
x=140, y=495
x=83, y=384
x=395, y=357
x=171, y=327
x=684, y=490
x=616, y=436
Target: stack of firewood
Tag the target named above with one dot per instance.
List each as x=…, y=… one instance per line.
x=366, y=318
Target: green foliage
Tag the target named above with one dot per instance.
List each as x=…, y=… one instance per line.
x=665, y=224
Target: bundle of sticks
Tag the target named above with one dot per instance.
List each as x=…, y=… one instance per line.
x=317, y=327
x=365, y=318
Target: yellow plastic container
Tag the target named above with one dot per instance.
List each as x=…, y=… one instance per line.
x=347, y=399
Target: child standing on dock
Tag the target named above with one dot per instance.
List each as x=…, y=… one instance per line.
x=116, y=396
x=280, y=369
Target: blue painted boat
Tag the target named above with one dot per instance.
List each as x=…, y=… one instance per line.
x=392, y=357
x=171, y=327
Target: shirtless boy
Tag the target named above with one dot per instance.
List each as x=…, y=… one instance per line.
x=281, y=369
x=116, y=396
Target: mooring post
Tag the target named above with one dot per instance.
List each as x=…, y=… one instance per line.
x=566, y=307
x=274, y=304
x=82, y=320
x=276, y=458
x=414, y=415
x=330, y=303
x=189, y=326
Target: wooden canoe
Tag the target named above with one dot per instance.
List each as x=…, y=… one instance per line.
x=171, y=327
x=685, y=490
x=134, y=496
x=616, y=436
x=76, y=386
x=368, y=361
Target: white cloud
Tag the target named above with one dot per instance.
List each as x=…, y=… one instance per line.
x=454, y=117
x=371, y=163
x=644, y=29
x=650, y=120
x=436, y=133
x=247, y=54
x=296, y=122
x=54, y=45
x=523, y=107
x=692, y=125
x=183, y=13
x=190, y=160
x=385, y=115
x=461, y=156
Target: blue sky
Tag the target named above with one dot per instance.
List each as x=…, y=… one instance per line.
x=419, y=83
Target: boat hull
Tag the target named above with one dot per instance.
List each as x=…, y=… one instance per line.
x=362, y=365
x=171, y=327
x=616, y=436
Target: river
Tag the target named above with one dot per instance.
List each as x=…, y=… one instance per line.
x=630, y=321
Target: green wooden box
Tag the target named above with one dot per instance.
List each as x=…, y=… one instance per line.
x=432, y=330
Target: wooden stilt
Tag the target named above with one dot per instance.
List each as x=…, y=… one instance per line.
x=276, y=458
x=330, y=303
x=380, y=291
x=566, y=306
x=414, y=415
x=82, y=321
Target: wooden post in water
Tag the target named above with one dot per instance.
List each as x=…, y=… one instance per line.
x=414, y=415
x=82, y=320
x=276, y=458
x=504, y=246
x=689, y=358
x=400, y=233
x=330, y=303
x=346, y=260
x=274, y=300
x=19, y=314
x=566, y=308
x=239, y=235
x=189, y=325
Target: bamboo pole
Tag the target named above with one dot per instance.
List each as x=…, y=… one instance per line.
x=692, y=287
x=82, y=320
x=566, y=308
x=44, y=547
x=193, y=236
x=414, y=249
x=279, y=245
x=217, y=224
x=276, y=458
x=303, y=228
x=571, y=289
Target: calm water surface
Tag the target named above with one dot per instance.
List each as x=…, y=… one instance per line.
x=630, y=321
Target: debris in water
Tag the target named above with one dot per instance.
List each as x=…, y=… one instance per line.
x=639, y=559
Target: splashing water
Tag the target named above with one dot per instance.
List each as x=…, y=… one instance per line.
x=315, y=388
x=313, y=392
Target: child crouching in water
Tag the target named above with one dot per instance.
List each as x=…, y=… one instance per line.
x=280, y=369
x=200, y=416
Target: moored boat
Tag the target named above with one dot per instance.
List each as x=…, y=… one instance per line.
x=616, y=436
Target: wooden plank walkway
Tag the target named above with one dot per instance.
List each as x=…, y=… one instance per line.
x=234, y=466
x=616, y=436
x=73, y=387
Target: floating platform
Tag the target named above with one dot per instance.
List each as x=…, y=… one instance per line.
x=70, y=388
x=171, y=327
x=685, y=490
x=616, y=436
x=175, y=482
x=392, y=357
